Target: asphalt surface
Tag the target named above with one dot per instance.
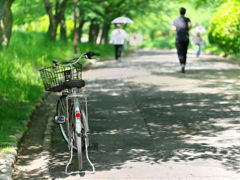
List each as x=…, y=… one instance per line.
x=152, y=122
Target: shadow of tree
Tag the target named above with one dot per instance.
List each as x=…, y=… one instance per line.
x=184, y=126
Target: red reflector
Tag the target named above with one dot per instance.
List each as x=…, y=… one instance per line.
x=78, y=115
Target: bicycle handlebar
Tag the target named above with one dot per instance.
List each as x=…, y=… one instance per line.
x=88, y=55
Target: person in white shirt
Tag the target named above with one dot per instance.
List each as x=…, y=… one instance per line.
x=117, y=38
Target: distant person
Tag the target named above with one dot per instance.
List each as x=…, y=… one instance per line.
x=182, y=25
x=135, y=39
x=117, y=38
x=198, y=41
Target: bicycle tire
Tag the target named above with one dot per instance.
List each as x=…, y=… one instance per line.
x=79, y=150
x=62, y=111
x=80, y=141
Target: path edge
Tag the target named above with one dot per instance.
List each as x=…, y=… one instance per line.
x=7, y=163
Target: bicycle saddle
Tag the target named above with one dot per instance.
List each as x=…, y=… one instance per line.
x=74, y=83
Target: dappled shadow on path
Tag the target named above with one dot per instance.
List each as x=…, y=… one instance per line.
x=192, y=118
x=186, y=127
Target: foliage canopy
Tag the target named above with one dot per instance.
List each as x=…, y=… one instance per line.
x=224, y=28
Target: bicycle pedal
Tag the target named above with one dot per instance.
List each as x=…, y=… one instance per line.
x=93, y=146
x=60, y=119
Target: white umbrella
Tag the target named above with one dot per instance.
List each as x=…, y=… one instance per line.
x=122, y=20
x=200, y=29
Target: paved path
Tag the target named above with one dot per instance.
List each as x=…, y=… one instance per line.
x=152, y=122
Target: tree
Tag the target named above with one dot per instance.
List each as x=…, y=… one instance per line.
x=63, y=30
x=100, y=13
x=112, y=9
x=75, y=38
x=55, y=19
x=26, y=11
x=6, y=21
x=87, y=12
x=81, y=22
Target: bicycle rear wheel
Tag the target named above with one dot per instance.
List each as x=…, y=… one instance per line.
x=80, y=145
x=79, y=141
x=62, y=111
x=81, y=130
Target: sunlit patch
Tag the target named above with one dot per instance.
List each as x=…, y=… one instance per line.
x=222, y=102
x=33, y=147
x=194, y=110
x=114, y=94
x=118, y=151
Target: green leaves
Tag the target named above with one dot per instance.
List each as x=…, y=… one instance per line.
x=224, y=28
x=27, y=11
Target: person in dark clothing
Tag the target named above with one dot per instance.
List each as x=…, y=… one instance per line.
x=182, y=25
x=118, y=51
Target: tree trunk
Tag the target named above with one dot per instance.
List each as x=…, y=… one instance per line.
x=52, y=29
x=96, y=32
x=63, y=30
x=104, y=38
x=75, y=37
x=5, y=22
x=81, y=23
x=55, y=19
x=93, y=31
x=90, y=34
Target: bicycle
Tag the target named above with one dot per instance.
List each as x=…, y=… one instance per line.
x=71, y=117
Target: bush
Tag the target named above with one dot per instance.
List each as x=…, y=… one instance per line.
x=224, y=27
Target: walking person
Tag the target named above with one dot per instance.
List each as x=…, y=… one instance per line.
x=182, y=25
x=117, y=38
x=198, y=40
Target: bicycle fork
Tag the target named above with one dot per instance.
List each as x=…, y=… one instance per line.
x=78, y=129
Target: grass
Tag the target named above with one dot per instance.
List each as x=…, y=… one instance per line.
x=6, y=150
x=21, y=85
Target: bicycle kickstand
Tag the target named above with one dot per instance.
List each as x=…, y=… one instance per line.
x=78, y=172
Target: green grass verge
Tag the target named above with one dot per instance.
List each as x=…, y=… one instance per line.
x=21, y=85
